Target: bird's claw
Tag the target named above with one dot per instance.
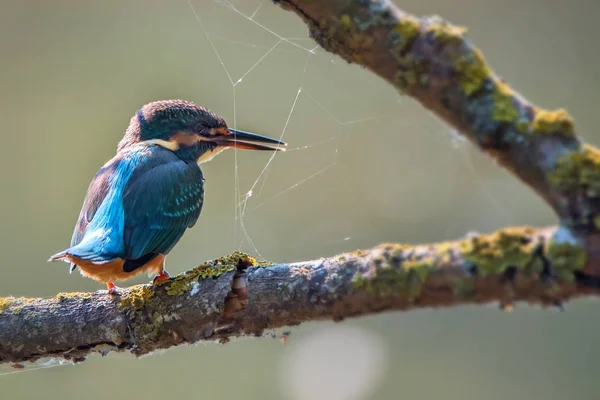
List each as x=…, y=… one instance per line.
x=112, y=289
x=163, y=275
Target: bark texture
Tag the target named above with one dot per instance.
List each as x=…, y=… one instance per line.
x=434, y=62
x=236, y=295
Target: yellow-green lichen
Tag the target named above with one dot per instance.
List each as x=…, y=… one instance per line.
x=184, y=282
x=14, y=305
x=473, y=71
x=411, y=71
x=420, y=268
x=62, y=297
x=150, y=330
x=505, y=109
x=396, y=270
x=415, y=279
x=408, y=28
x=556, y=121
x=578, y=172
x=347, y=256
x=415, y=74
x=523, y=125
x=494, y=253
x=345, y=39
x=17, y=309
x=446, y=32
x=464, y=288
x=135, y=297
x=383, y=282
x=262, y=263
x=346, y=21
x=565, y=257
x=597, y=221
x=469, y=63
x=5, y=302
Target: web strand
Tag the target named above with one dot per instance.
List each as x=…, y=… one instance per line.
x=287, y=121
x=244, y=198
x=258, y=62
x=212, y=45
x=257, y=8
x=294, y=186
x=246, y=201
x=239, y=212
x=227, y=4
x=254, y=46
x=6, y=370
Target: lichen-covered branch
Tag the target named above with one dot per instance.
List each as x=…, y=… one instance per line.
x=235, y=295
x=434, y=62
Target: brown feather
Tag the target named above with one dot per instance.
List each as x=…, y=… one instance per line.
x=113, y=271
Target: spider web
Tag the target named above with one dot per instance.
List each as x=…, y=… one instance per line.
x=241, y=198
x=338, y=126
x=250, y=198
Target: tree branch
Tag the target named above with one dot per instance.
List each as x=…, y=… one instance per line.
x=236, y=296
x=432, y=61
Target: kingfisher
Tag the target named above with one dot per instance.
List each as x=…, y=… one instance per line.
x=142, y=201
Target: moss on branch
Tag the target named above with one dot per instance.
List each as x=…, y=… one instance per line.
x=433, y=61
x=236, y=295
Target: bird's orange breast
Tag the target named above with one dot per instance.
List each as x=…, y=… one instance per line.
x=113, y=271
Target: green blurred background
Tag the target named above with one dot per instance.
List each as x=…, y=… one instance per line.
x=376, y=167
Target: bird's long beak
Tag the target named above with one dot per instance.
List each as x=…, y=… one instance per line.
x=250, y=141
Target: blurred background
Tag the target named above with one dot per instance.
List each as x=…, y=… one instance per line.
x=366, y=166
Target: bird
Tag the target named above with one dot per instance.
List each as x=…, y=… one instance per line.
x=142, y=201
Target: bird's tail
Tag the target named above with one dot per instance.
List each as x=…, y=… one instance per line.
x=93, y=248
x=63, y=256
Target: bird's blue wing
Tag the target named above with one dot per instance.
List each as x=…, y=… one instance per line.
x=162, y=198
x=98, y=235
x=96, y=194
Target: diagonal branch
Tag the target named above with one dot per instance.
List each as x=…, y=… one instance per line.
x=236, y=296
x=432, y=61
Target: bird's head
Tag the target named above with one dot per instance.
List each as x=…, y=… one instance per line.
x=192, y=132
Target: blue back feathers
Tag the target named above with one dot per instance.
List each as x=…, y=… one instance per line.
x=138, y=205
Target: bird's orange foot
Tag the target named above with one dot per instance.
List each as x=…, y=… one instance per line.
x=163, y=275
x=112, y=289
